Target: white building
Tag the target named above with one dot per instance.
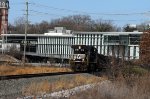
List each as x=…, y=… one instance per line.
x=57, y=43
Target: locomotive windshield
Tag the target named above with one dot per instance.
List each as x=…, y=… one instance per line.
x=79, y=51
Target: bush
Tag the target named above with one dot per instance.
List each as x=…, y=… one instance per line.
x=133, y=87
x=13, y=51
x=134, y=70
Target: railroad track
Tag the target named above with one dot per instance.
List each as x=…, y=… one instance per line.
x=8, y=77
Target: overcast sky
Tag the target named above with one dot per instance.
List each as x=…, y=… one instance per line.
x=121, y=12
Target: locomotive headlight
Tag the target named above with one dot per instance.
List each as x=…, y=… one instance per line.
x=79, y=47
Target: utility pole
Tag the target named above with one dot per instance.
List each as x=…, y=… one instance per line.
x=26, y=30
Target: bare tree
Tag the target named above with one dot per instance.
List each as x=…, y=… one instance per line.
x=84, y=23
x=19, y=25
x=104, y=26
x=145, y=48
x=38, y=28
x=142, y=27
x=74, y=22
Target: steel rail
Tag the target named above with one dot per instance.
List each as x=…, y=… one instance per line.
x=9, y=77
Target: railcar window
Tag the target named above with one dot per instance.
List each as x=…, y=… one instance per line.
x=82, y=49
x=76, y=49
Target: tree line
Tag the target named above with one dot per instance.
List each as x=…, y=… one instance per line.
x=73, y=22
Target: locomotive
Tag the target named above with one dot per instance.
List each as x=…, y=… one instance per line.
x=86, y=58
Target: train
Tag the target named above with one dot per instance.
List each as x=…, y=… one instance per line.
x=87, y=58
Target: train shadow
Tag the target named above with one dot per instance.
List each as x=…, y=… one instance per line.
x=99, y=73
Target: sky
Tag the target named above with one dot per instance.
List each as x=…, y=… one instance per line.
x=120, y=12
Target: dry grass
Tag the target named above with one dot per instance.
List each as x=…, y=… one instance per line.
x=133, y=87
x=16, y=70
x=45, y=87
x=76, y=81
x=37, y=88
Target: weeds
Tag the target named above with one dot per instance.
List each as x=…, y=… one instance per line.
x=131, y=87
x=45, y=87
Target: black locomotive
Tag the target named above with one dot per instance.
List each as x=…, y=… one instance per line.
x=86, y=58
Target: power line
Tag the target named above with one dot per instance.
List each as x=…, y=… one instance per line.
x=50, y=14
x=17, y=3
x=93, y=13
x=54, y=8
x=44, y=13
x=41, y=13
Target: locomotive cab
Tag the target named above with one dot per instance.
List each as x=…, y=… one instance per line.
x=92, y=59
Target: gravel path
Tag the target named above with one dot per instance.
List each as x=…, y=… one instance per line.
x=11, y=89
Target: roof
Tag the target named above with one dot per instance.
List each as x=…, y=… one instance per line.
x=71, y=35
x=39, y=35
x=108, y=33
